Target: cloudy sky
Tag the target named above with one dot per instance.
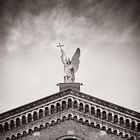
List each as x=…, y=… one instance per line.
x=106, y=31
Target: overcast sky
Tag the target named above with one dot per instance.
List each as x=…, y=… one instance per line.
x=106, y=31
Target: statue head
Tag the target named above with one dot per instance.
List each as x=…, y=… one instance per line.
x=68, y=62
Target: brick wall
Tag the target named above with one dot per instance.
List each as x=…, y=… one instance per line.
x=70, y=128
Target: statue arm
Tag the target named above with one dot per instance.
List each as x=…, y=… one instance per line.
x=63, y=61
x=63, y=56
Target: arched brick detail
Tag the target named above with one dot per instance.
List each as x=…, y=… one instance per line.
x=58, y=120
x=121, y=134
x=121, y=121
x=24, y=133
x=110, y=117
x=64, y=118
x=41, y=113
x=18, y=123
x=58, y=108
x=115, y=119
x=36, y=129
x=52, y=109
x=29, y=118
x=104, y=128
x=69, y=137
x=86, y=108
x=30, y=131
x=24, y=120
x=41, y=127
x=92, y=110
x=133, y=125
x=75, y=118
x=75, y=104
x=87, y=122
x=104, y=115
x=98, y=126
x=47, y=125
x=109, y=130
x=19, y=135
x=69, y=103
x=132, y=138
x=13, y=137
x=6, y=126
x=98, y=113
x=81, y=106
x=69, y=116
x=81, y=120
x=7, y=138
x=64, y=105
x=46, y=111
x=126, y=136
x=138, y=127
x=1, y=128
x=52, y=122
x=115, y=132
x=127, y=123
x=35, y=116
x=12, y=124
x=92, y=124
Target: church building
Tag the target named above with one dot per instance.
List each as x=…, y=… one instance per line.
x=70, y=115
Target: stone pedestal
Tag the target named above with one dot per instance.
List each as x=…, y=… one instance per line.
x=64, y=86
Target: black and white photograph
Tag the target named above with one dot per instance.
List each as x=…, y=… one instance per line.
x=70, y=69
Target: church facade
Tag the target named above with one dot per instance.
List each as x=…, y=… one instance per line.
x=70, y=115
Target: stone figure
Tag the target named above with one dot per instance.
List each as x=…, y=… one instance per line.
x=70, y=65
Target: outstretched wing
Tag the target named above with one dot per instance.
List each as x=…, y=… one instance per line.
x=75, y=60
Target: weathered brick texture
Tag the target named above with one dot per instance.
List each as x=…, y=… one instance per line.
x=71, y=128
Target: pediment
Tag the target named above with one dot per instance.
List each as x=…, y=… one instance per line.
x=71, y=104
x=65, y=93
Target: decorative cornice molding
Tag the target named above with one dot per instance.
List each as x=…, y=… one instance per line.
x=63, y=93
x=107, y=104
x=53, y=120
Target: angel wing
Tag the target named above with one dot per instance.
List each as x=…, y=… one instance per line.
x=75, y=60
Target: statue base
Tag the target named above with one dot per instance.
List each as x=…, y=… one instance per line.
x=64, y=86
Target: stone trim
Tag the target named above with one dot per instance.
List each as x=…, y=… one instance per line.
x=52, y=122
x=69, y=136
x=64, y=93
x=32, y=105
x=107, y=104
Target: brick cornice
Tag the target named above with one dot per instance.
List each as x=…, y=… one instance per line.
x=63, y=115
x=69, y=92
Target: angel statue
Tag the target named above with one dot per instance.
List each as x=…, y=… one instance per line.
x=70, y=65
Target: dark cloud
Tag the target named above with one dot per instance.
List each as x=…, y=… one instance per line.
x=120, y=14
x=94, y=9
